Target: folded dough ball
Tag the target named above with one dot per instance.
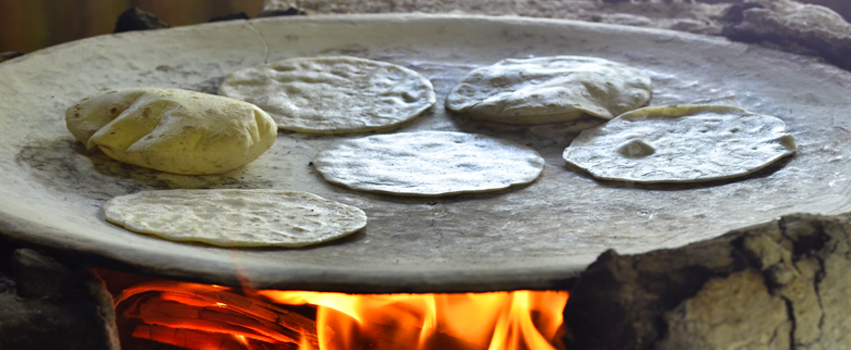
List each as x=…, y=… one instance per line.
x=236, y=218
x=549, y=89
x=332, y=95
x=172, y=130
x=681, y=144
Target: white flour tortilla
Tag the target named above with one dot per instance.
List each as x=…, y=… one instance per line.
x=173, y=130
x=235, y=218
x=428, y=163
x=332, y=95
x=681, y=144
x=549, y=89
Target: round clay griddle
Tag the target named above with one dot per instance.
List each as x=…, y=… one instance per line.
x=532, y=237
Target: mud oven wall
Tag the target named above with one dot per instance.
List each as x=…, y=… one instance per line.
x=785, y=284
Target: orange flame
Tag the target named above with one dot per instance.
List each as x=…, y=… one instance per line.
x=494, y=321
x=204, y=317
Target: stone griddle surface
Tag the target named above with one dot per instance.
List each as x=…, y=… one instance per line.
x=533, y=237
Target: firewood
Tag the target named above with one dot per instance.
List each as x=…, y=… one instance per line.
x=219, y=320
x=216, y=309
x=200, y=340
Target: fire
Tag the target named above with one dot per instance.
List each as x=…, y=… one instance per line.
x=204, y=317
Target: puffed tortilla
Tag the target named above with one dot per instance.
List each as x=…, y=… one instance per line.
x=684, y=143
x=236, y=218
x=172, y=130
x=549, y=89
x=428, y=163
x=332, y=95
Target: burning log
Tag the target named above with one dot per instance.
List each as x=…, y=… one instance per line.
x=200, y=340
x=219, y=320
x=175, y=311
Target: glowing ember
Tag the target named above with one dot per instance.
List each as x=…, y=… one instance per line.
x=204, y=317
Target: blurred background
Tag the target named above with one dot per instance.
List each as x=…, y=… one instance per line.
x=28, y=25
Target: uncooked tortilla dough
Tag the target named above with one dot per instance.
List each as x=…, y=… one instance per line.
x=549, y=89
x=332, y=95
x=428, y=163
x=173, y=130
x=235, y=218
x=681, y=144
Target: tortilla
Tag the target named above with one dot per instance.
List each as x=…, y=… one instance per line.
x=172, y=130
x=549, y=89
x=235, y=218
x=681, y=144
x=332, y=95
x=428, y=163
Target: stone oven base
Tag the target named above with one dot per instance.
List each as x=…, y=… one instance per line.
x=785, y=284
x=45, y=304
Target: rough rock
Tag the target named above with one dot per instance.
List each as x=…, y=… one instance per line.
x=40, y=277
x=840, y=6
x=280, y=8
x=779, y=285
x=44, y=304
x=136, y=19
x=792, y=26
